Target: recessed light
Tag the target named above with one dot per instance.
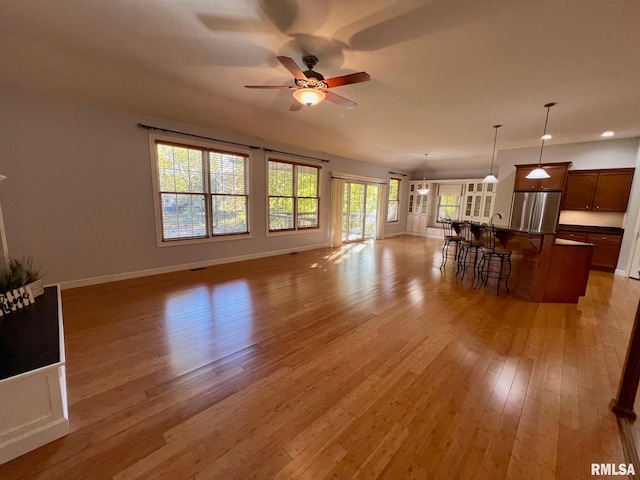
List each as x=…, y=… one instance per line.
x=546, y=137
x=608, y=133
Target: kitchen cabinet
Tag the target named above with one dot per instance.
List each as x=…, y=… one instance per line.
x=575, y=236
x=612, y=191
x=598, y=190
x=478, y=201
x=557, y=177
x=605, y=255
x=607, y=242
x=417, y=213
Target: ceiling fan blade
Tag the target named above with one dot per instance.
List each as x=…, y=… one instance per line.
x=295, y=106
x=271, y=87
x=290, y=65
x=282, y=13
x=347, y=79
x=337, y=99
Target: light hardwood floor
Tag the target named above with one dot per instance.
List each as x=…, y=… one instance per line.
x=360, y=362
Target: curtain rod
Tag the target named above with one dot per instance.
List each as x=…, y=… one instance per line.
x=149, y=127
x=398, y=173
x=356, y=179
x=296, y=155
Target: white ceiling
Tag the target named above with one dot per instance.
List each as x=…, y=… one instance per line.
x=442, y=72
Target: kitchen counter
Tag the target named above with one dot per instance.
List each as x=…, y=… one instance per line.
x=547, y=269
x=571, y=243
x=608, y=242
x=591, y=229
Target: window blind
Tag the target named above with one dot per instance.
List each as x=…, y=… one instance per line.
x=445, y=189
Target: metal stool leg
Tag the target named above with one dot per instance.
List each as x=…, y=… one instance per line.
x=506, y=280
x=481, y=264
x=445, y=249
x=500, y=275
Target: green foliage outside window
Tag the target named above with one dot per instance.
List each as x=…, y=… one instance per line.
x=394, y=200
x=293, y=196
x=449, y=207
x=193, y=208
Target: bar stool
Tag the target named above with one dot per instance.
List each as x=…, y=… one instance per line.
x=495, y=261
x=451, y=238
x=469, y=250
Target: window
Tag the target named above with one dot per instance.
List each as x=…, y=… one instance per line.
x=449, y=201
x=448, y=207
x=394, y=200
x=293, y=196
x=203, y=193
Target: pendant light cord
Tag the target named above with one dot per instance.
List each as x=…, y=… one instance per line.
x=548, y=105
x=424, y=171
x=495, y=139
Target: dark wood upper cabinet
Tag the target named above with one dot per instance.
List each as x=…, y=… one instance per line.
x=557, y=177
x=612, y=191
x=579, y=192
x=598, y=190
x=523, y=183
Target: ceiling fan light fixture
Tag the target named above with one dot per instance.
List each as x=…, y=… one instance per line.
x=309, y=96
x=539, y=173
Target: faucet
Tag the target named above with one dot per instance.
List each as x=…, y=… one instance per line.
x=499, y=215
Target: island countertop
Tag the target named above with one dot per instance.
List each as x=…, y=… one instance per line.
x=545, y=268
x=571, y=243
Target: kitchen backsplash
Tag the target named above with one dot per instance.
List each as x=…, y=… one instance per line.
x=597, y=219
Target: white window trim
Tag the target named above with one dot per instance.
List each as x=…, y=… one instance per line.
x=394, y=222
x=292, y=158
x=157, y=208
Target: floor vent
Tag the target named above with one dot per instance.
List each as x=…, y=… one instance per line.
x=196, y=269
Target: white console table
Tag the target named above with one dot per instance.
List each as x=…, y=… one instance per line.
x=33, y=391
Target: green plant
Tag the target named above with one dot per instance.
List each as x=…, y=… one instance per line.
x=20, y=273
x=31, y=272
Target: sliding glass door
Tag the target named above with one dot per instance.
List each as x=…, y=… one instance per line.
x=359, y=211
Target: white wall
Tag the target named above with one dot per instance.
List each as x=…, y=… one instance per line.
x=78, y=194
x=615, y=153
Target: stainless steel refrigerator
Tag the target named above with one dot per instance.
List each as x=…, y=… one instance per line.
x=535, y=212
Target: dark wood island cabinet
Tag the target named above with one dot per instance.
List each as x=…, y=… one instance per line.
x=607, y=241
x=545, y=268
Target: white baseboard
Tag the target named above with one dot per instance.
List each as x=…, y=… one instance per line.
x=184, y=266
x=622, y=273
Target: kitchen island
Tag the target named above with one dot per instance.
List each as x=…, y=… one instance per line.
x=545, y=268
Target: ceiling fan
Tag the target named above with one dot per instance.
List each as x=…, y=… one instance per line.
x=311, y=87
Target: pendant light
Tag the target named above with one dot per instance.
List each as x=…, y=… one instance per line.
x=490, y=178
x=424, y=190
x=539, y=172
